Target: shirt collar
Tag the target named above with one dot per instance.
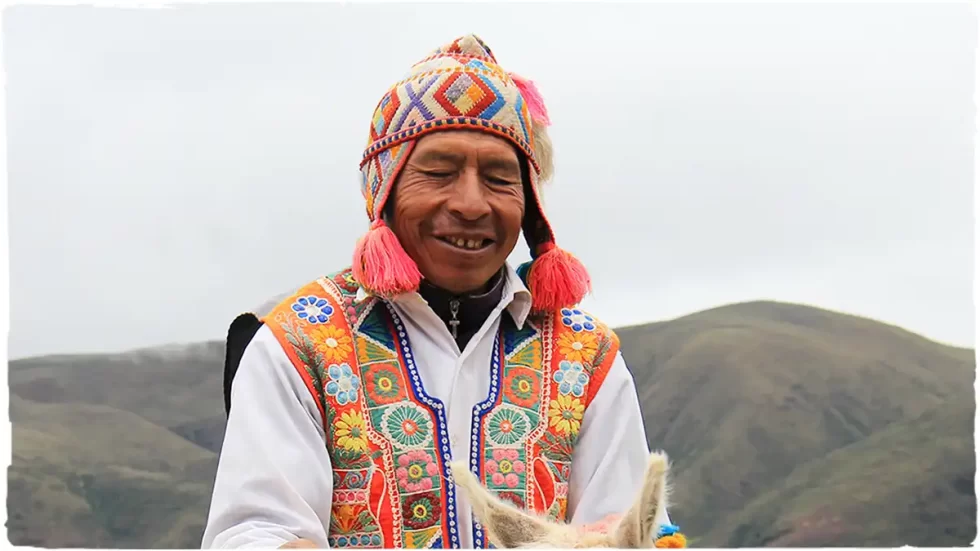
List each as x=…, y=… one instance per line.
x=516, y=298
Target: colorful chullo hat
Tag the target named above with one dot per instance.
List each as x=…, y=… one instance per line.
x=460, y=86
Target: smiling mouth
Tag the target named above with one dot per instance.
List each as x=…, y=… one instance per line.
x=466, y=244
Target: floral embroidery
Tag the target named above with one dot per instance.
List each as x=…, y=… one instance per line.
x=522, y=387
x=313, y=309
x=577, y=347
x=416, y=471
x=407, y=425
x=343, y=384
x=571, y=378
x=565, y=415
x=383, y=383
x=506, y=469
x=348, y=519
x=507, y=426
x=421, y=510
x=577, y=320
x=557, y=447
x=332, y=342
x=350, y=431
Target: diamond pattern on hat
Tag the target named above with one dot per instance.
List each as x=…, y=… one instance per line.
x=467, y=95
x=458, y=85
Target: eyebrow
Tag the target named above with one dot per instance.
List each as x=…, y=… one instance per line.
x=498, y=163
x=435, y=156
x=490, y=163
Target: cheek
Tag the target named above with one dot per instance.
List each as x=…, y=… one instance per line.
x=411, y=207
x=510, y=209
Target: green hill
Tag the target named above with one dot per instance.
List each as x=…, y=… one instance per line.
x=87, y=475
x=177, y=387
x=787, y=425
x=742, y=395
x=909, y=484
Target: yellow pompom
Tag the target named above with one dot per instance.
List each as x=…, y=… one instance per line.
x=673, y=541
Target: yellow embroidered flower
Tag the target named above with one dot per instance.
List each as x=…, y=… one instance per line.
x=565, y=414
x=332, y=342
x=578, y=347
x=350, y=432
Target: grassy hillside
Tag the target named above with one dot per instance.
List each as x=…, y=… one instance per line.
x=91, y=475
x=787, y=426
x=178, y=387
x=742, y=395
x=909, y=484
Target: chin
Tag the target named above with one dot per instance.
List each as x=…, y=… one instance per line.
x=457, y=280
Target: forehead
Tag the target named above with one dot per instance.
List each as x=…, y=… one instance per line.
x=466, y=142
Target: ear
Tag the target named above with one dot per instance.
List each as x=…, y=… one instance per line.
x=636, y=527
x=507, y=526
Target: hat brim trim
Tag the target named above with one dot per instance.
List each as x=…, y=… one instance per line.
x=451, y=123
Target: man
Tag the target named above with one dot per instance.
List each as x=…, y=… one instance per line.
x=352, y=395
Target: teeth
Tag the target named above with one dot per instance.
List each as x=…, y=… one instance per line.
x=471, y=244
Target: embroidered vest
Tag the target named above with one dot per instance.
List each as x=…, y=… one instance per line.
x=387, y=438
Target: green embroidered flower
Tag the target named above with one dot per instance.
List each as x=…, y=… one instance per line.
x=407, y=425
x=507, y=426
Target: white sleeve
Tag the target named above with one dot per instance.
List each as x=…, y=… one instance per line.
x=611, y=455
x=274, y=482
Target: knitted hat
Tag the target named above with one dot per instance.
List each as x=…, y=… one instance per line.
x=460, y=87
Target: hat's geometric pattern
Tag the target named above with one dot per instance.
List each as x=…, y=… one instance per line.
x=457, y=86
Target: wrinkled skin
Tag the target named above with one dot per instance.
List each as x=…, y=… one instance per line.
x=459, y=184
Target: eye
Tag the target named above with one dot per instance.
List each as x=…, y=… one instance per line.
x=440, y=174
x=501, y=182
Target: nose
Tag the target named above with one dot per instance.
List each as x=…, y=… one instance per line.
x=469, y=199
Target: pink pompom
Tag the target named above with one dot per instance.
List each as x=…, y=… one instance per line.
x=381, y=264
x=531, y=95
x=557, y=279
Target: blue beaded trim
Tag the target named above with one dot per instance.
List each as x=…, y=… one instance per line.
x=476, y=435
x=437, y=407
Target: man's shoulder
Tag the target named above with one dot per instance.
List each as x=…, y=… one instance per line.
x=313, y=302
x=331, y=288
x=579, y=320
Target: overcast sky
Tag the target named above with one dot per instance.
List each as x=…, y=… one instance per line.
x=169, y=169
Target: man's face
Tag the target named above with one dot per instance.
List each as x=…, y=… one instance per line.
x=458, y=205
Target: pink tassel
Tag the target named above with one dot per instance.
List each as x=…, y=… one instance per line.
x=557, y=279
x=531, y=95
x=381, y=264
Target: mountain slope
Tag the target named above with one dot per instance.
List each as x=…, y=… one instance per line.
x=90, y=475
x=909, y=484
x=178, y=387
x=778, y=419
x=740, y=396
